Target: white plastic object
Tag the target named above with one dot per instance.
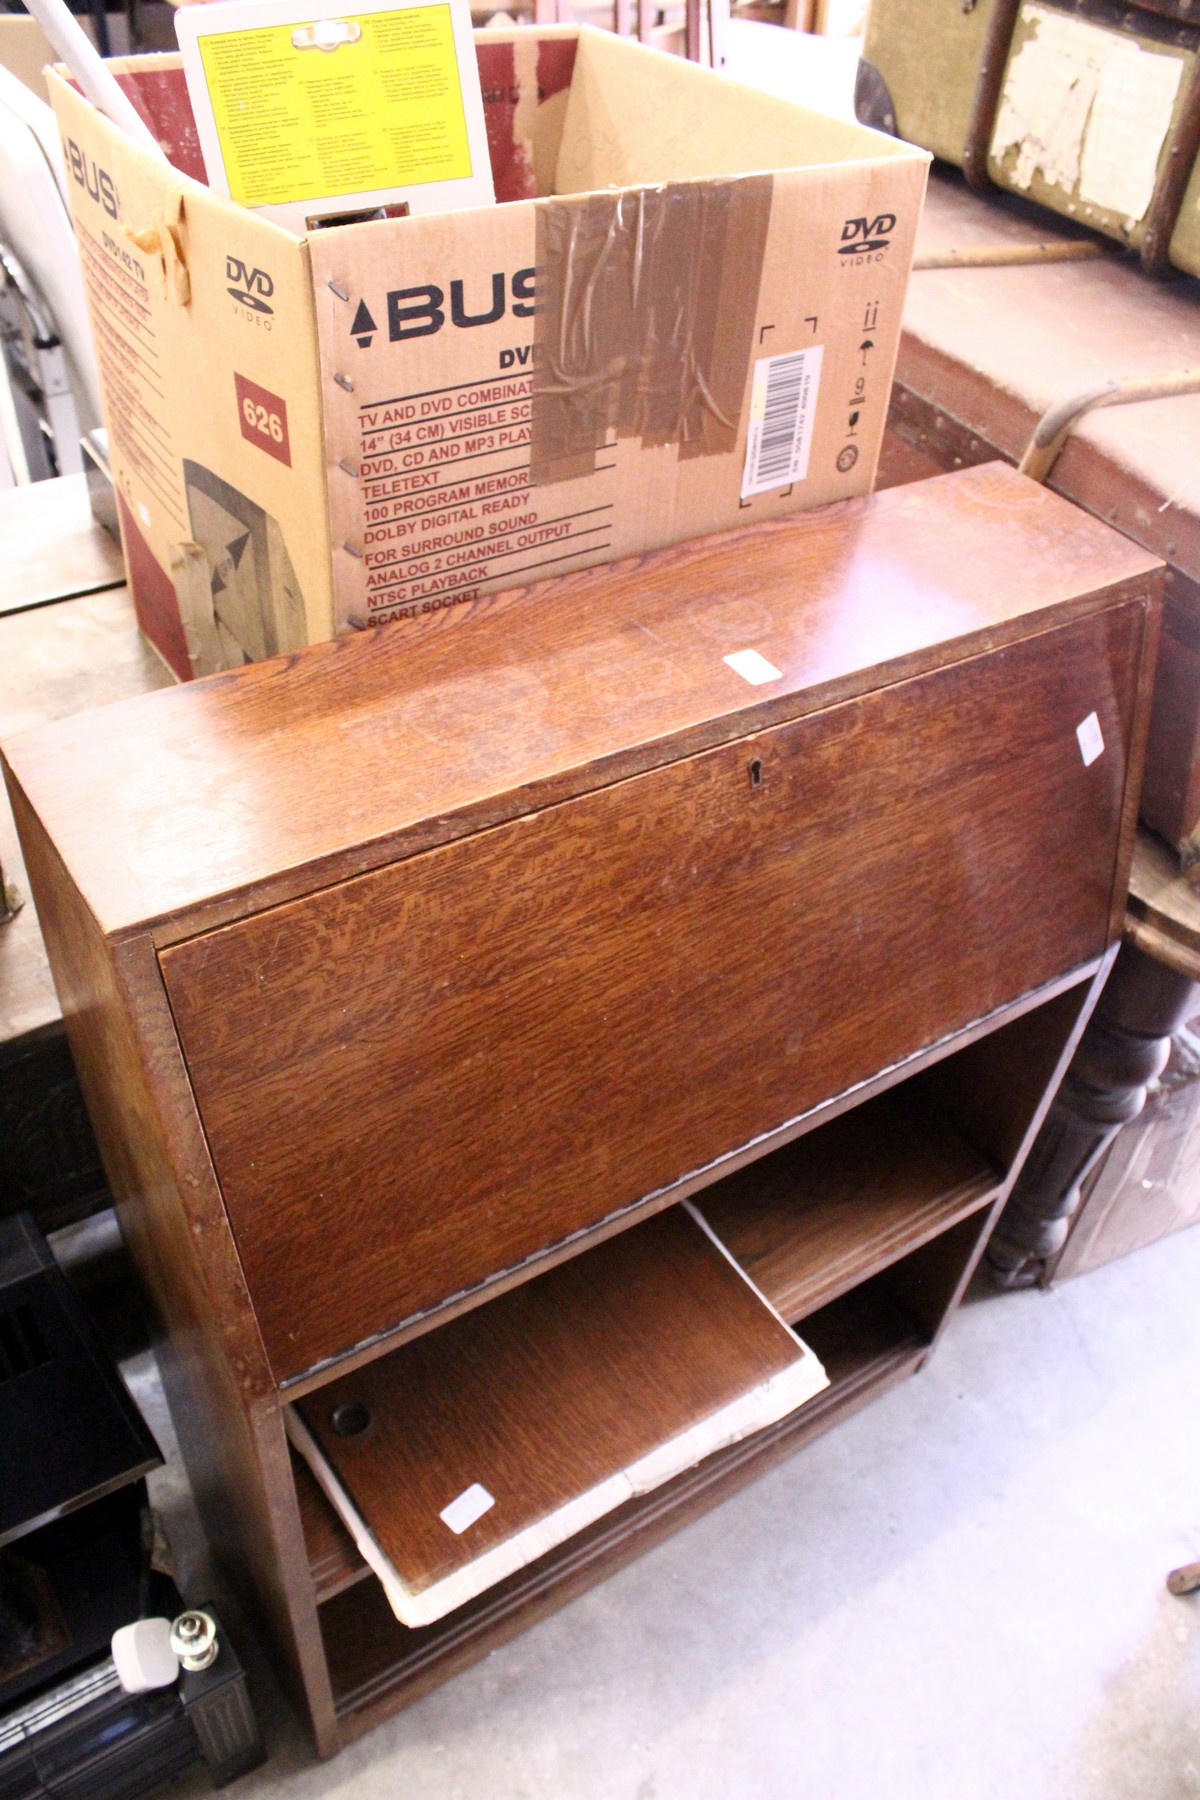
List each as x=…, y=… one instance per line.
x=143, y=1655
x=88, y=67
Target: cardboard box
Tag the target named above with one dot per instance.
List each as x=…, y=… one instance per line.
x=393, y=419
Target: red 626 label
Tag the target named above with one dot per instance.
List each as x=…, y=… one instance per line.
x=263, y=418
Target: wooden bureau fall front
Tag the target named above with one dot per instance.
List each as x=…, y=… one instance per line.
x=400, y=971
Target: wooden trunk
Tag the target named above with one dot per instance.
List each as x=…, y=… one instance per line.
x=1022, y=94
x=399, y=971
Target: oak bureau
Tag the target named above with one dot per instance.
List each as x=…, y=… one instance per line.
x=401, y=970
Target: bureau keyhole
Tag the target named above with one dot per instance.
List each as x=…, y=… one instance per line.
x=755, y=773
x=350, y=1419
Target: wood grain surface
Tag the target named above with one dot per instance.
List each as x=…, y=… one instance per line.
x=433, y=1072
x=991, y=1090
x=1171, y=789
x=923, y=1138
x=951, y=225
x=826, y=1212
x=289, y=773
x=334, y=1562
x=548, y=1393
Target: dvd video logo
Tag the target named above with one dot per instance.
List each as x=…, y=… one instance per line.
x=251, y=287
x=861, y=236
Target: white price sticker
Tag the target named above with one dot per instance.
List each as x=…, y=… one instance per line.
x=752, y=667
x=470, y=1505
x=1091, y=739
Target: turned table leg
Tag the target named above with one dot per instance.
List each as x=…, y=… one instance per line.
x=1125, y=1045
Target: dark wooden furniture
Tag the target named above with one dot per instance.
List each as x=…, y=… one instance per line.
x=402, y=970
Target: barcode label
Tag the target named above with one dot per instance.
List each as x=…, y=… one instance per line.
x=783, y=406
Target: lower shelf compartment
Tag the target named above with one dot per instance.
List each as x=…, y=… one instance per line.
x=866, y=1340
x=813, y=1223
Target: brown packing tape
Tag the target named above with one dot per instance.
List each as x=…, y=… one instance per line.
x=645, y=321
x=724, y=328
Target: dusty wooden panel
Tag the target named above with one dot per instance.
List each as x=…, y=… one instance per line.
x=287, y=773
x=955, y=220
x=433, y=1072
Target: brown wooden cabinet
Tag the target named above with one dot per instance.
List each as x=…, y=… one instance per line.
x=402, y=970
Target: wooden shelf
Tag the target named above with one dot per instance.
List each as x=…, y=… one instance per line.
x=866, y=1340
x=531, y=1394
x=548, y=1408
x=812, y=1220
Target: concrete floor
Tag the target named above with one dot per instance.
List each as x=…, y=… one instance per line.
x=957, y=1594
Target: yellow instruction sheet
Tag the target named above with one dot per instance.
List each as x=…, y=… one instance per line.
x=308, y=113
